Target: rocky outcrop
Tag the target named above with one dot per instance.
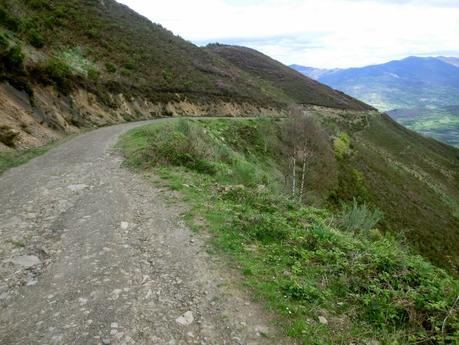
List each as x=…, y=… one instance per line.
x=51, y=115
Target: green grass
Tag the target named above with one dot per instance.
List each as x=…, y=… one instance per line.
x=14, y=158
x=294, y=258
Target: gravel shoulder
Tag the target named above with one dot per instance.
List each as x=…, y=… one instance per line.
x=93, y=254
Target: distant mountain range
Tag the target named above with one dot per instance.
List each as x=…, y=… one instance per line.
x=422, y=93
x=413, y=82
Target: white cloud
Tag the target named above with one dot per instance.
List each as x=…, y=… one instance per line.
x=320, y=33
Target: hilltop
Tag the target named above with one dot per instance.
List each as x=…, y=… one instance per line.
x=296, y=86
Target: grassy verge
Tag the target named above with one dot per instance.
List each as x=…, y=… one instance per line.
x=11, y=159
x=14, y=158
x=331, y=278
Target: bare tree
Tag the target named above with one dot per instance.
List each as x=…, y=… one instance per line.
x=302, y=137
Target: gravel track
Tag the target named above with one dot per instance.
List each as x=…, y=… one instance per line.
x=92, y=254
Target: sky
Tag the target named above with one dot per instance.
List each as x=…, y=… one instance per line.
x=317, y=33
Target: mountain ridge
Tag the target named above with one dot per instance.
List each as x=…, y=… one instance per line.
x=410, y=82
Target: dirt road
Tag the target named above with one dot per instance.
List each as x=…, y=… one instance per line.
x=93, y=254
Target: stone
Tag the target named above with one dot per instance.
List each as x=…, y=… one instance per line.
x=77, y=187
x=323, y=320
x=26, y=261
x=261, y=331
x=186, y=319
x=124, y=225
x=106, y=340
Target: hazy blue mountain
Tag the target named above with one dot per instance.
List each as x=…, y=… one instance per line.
x=422, y=93
x=314, y=73
x=413, y=82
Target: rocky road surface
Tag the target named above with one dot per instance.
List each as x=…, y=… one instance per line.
x=93, y=254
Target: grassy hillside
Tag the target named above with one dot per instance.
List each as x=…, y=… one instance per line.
x=328, y=273
x=104, y=46
x=295, y=85
x=415, y=181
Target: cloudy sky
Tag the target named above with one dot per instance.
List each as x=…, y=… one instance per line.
x=319, y=33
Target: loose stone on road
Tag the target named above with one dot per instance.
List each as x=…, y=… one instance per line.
x=92, y=254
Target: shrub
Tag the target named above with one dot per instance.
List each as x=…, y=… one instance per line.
x=3, y=44
x=36, y=39
x=357, y=217
x=38, y=4
x=13, y=60
x=93, y=74
x=93, y=33
x=9, y=22
x=341, y=145
x=58, y=69
x=110, y=67
x=58, y=72
x=130, y=66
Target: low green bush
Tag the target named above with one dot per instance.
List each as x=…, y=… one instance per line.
x=13, y=60
x=58, y=69
x=110, y=67
x=93, y=74
x=36, y=39
x=357, y=217
x=3, y=44
x=10, y=22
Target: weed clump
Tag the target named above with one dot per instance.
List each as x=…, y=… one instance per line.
x=357, y=217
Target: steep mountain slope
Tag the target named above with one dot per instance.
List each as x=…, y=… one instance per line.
x=413, y=82
x=111, y=64
x=301, y=261
x=303, y=90
x=413, y=179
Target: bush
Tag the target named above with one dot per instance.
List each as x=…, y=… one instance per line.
x=38, y=4
x=130, y=66
x=13, y=60
x=110, y=67
x=93, y=74
x=9, y=22
x=3, y=44
x=357, y=217
x=93, y=33
x=58, y=70
x=341, y=145
x=36, y=39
